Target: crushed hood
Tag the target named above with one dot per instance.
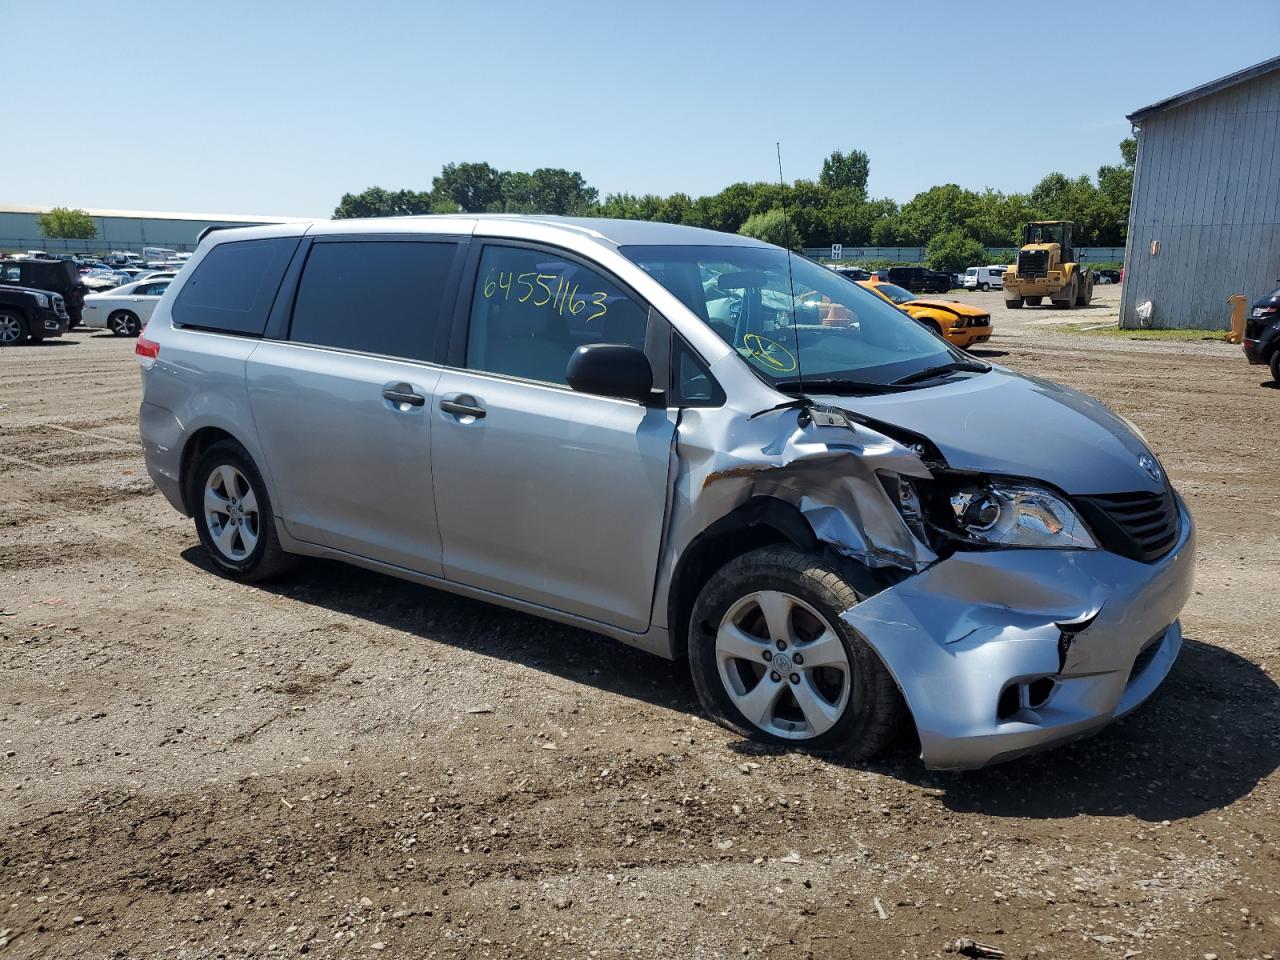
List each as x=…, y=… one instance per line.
x=1006, y=423
x=951, y=306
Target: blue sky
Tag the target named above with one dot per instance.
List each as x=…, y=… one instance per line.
x=279, y=108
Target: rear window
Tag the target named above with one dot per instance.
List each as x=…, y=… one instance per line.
x=233, y=286
x=383, y=297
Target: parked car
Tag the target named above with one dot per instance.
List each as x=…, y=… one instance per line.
x=880, y=275
x=1107, y=276
x=156, y=275
x=687, y=440
x=984, y=278
x=852, y=273
x=918, y=279
x=126, y=309
x=30, y=315
x=59, y=276
x=1262, y=332
x=960, y=323
x=104, y=278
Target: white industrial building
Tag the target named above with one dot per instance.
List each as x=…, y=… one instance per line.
x=1204, y=222
x=117, y=229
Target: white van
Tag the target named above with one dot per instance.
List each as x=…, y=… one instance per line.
x=984, y=278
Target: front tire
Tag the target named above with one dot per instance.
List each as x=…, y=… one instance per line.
x=233, y=514
x=772, y=660
x=1035, y=301
x=124, y=323
x=984, y=287
x=1275, y=365
x=1016, y=304
x=13, y=328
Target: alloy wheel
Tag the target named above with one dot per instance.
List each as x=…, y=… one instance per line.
x=10, y=329
x=231, y=513
x=783, y=665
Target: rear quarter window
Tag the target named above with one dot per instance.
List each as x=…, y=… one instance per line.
x=232, y=288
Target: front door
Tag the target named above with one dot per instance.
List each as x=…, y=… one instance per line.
x=344, y=406
x=544, y=494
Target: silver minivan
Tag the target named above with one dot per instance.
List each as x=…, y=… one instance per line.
x=689, y=441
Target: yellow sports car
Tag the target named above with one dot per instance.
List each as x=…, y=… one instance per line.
x=960, y=323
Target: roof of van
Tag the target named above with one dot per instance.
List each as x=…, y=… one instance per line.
x=616, y=232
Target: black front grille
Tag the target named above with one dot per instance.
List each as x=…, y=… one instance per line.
x=1142, y=526
x=1033, y=263
x=59, y=307
x=1254, y=326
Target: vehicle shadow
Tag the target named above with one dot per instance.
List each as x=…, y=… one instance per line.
x=44, y=344
x=1204, y=740
x=483, y=628
x=987, y=352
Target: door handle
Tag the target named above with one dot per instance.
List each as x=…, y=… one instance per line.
x=460, y=409
x=404, y=396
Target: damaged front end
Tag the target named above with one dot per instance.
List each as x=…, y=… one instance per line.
x=998, y=649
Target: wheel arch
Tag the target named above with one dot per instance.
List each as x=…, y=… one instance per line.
x=759, y=522
x=194, y=448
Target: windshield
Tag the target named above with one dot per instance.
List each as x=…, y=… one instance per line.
x=895, y=293
x=840, y=331
x=1043, y=233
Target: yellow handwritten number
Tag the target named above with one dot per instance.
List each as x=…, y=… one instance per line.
x=598, y=300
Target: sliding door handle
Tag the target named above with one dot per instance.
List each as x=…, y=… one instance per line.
x=463, y=407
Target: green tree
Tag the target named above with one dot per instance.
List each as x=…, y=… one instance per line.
x=548, y=190
x=677, y=208
x=376, y=202
x=627, y=206
x=474, y=187
x=772, y=226
x=846, y=171
x=64, y=223
x=1129, y=151
x=953, y=250
x=934, y=211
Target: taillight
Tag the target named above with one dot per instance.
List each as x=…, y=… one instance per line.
x=147, y=351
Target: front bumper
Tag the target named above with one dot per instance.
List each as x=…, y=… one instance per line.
x=957, y=635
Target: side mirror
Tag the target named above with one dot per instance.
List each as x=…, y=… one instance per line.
x=610, y=370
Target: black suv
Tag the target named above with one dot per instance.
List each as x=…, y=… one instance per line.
x=59, y=276
x=920, y=280
x=1262, y=332
x=30, y=315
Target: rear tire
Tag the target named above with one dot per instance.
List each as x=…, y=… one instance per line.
x=769, y=608
x=124, y=323
x=13, y=328
x=1016, y=304
x=233, y=514
x=1275, y=365
x=1035, y=301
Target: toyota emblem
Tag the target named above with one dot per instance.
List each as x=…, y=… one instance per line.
x=1153, y=469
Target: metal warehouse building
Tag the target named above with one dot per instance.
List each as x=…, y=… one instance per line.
x=117, y=229
x=1204, y=222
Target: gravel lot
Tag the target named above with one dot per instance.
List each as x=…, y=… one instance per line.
x=344, y=764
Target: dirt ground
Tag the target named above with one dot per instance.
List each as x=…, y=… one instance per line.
x=342, y=764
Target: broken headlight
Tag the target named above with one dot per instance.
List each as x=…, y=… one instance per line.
x=1017, y=515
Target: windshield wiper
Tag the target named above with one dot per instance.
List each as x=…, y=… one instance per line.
x=833, y=385
x=929, y=373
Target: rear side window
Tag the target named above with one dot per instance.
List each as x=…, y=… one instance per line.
x=233, y=286
x=375, y=296
x=532, y=308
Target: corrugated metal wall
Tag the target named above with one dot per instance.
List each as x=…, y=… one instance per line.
x=21, y=232
x=1207, y=187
